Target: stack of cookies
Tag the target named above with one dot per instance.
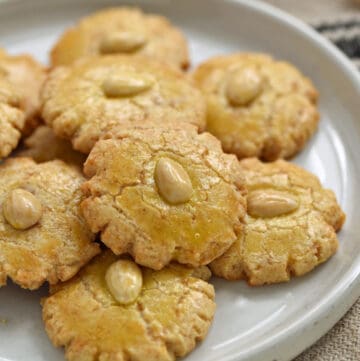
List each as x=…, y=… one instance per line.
x=134, y=182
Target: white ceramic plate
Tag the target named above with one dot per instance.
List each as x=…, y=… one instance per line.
x=262, y=324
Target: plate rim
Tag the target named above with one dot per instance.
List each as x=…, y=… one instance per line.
x=298, y=336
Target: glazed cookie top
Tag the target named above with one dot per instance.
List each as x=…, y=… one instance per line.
x=88, y=99
x=42, y=235
x=290, y=225
x=42, y=146
x=27, y=76
x=164, y=194
x=123, y=30
x=166, y=312
x=12, y=117
x=258, y=106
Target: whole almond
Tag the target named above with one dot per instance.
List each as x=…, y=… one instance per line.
x=121, y=42
x=243, y=86
x=22, y=209
x=173, y=182
x=126, y=85
x=124, y=281
x=267, y=203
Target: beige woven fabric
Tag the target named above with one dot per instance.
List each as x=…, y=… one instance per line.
x=342, y=342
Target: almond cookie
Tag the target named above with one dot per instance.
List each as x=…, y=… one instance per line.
x=12, y=117
x=258, y=107
x=290, y=226
x=43, y=146
x=164, y=194
x=88, y=99
x=27, y=76
x=42, y=235
x=116, y=310
x=123, y=30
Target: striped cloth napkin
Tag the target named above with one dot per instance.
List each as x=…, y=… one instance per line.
x=344, y=32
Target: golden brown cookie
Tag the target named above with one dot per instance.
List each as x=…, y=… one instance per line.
x=12, y=117
x=164, y=194
x=42, y=235
x=43, y=146
x=171, y=311
x=290, y=225
x=123, y=30
x=257, y=106
x=27, y=76
x=86, y=100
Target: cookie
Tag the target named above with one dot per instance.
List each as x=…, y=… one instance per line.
x=12, y=117
x=164, y=194
x=123, y=30
x=88, y=99
x=43, y=146
x=27, y=76
x=168, y=312
x=290, y=226
x=42, y=235
x=257, y=106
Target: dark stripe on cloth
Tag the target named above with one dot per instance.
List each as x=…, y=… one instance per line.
x=339, y=25
x=351, y=47
x=344, y=34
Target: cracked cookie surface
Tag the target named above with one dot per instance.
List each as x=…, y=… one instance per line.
x=173, y=311
x=123, y=30
x=164, y=194
x=55, y=244
x=290, y=227
x=27, y=76
x=257, y=106
x=43, y=146
x=86, y=100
